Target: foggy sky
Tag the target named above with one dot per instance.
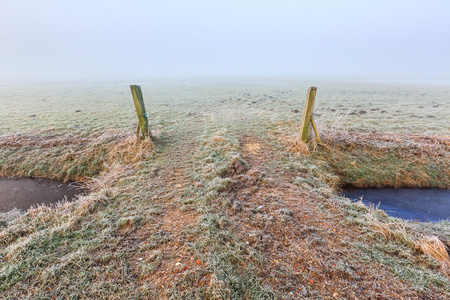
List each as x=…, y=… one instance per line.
x=370, y=40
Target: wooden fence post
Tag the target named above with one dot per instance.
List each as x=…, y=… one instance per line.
x=140, y=110
x=307, y=115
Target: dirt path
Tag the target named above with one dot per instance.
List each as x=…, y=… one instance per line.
x=303, y=239
x=164, y=254
x=307, y=243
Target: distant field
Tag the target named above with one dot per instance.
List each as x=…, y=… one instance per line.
x=78, y=108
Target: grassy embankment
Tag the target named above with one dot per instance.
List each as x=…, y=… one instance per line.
x=223, y=204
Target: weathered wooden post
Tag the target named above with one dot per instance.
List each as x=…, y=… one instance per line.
x=315, y=130
x=140, y=110
x=307, y=115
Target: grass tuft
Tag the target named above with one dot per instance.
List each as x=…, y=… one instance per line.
x=434, y=248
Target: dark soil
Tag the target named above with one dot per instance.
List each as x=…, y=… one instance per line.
x=22, y=193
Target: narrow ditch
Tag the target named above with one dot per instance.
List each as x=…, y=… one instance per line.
x=22, y=193
x=418, y=204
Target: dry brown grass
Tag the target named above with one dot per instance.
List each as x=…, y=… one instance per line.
x=41, y=141
x=434, y=248
x=68, y=158
x=393, y=231
x=398, y=231
x=294, y=144
x=385, y=139
x=388, y=159
x=130, y=149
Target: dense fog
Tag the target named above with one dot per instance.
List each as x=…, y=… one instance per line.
x=364, y=40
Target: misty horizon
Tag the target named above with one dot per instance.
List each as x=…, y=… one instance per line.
x=381, y=41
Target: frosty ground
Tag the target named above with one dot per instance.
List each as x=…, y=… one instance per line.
x=225, y=202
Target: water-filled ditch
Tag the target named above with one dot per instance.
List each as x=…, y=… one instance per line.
x=22, y=193
x=419, y=204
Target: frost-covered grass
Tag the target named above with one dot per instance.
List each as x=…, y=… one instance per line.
x=52, y=107
x=219, y=205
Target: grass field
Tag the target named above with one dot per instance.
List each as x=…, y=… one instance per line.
x=225, y=203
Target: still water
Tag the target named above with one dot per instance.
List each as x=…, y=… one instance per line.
x=407, y=203
x=22, y=193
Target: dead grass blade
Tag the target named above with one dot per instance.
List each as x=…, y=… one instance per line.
x=434, y=248
x=295, y=145
x=393, y=231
